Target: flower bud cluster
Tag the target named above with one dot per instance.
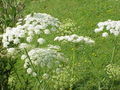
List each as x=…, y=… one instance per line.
x=113, y=71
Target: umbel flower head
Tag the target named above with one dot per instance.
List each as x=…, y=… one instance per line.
x=74, y=39
x=108, y=27
x=30, y=29
x=43, y=57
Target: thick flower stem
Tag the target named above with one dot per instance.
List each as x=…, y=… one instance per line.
x=114, y=49
x=73, y=58
x=112, y=58
x=113, y=54
x=32, y=65
x=17, y=75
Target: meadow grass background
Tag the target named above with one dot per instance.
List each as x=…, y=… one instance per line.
x=86, y=14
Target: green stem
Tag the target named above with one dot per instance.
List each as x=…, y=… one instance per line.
x=17, y=76
x=112, y=58
x=112, y=84
x=73, y=58
x=32, y=65
x=91, y=61
x=113, y=51
x=113, y=54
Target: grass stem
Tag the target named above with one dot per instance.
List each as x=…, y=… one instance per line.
x=32, y=65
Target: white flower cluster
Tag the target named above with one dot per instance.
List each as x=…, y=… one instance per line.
x=74, y=39
x=29, y=28
x=43, y=57
x=108, y=27
x=54, y=47
x=11, y=50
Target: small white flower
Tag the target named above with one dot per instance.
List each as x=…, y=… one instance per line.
x=98, y=30
x=37, y=31
x=56, y=38
x=10, y=38
x=16, y=41
x=30, y=28
x=21, y=34
x=34, y=74
x=47, y=31
x=45, y=76
x=41, y=41
x=29, y=70
x=108, y=27
x=27, y=60
x=18, y=23
x=81, y=38
x=5, y=44
x=36, y=62
x=116, y=33
x=54, y=47
x=23, y=57
x=69, y=39
x=53, y=29
x=90, y=42
x=29, y=39
x=26, y=65
x=105, y=34
x=30, y=33
x=11, y=50
x=38, y=27
x=24, y=45
x=20, y=19
x=100, y=24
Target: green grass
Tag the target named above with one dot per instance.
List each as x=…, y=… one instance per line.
x=86, y=13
